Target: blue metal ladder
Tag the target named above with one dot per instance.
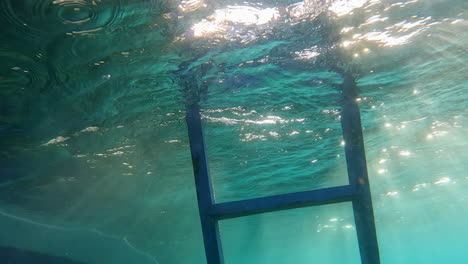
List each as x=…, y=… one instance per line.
x=357, y=192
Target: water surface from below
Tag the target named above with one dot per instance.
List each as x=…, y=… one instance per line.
x=93, y=140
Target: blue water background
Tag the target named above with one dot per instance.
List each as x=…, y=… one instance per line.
x=94, y=156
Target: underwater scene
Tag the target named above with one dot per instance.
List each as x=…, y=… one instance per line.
x=95, y=163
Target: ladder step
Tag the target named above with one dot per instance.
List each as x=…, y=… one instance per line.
x=283, y=201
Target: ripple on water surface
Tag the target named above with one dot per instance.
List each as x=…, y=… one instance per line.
x=35, y=18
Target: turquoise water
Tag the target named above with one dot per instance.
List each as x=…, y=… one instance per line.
x=95, y=164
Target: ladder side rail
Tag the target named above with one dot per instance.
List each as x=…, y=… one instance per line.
x=210, y=228
x=357, y=173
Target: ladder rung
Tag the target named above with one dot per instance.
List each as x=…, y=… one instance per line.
x=283, y=201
